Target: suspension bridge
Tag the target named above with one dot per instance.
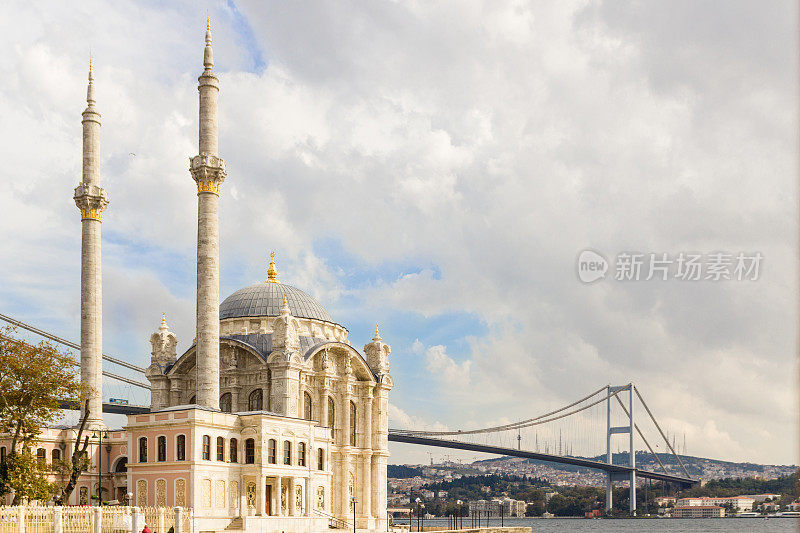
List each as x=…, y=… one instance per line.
x=580, y=434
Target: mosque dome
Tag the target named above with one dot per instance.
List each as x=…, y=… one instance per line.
x=266, y=299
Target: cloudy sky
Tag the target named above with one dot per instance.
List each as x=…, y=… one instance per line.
x=436, y=167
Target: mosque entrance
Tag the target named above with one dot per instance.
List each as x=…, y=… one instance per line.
x=268, y=495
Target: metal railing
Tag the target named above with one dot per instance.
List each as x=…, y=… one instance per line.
x=334, y=522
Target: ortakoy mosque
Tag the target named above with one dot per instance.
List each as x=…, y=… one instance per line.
x=271, y=420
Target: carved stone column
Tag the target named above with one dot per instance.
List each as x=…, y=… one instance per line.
x=277, y=495
x=291, y=496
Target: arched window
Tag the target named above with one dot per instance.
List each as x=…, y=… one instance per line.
x=206, y=447
x=220, y=449
x=122, y=465
x=225, y=402
x=353, y=424
x=250, y=451
x=256, y=400
x=41, y=455
x=307, y=406
x=287, y=452
x=331, y=412
x=142, y=449
x=55, y=455
x=320, y=459
x=301, y=454
x=193, y=400
x=162, y=448
x=180, y=448
x=234, y=452
x=272, y=456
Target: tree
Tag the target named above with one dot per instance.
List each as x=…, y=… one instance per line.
x=79, y=461
x=34, y=381
x=730, y=508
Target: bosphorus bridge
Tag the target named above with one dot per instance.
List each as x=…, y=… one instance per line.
x=582, y=434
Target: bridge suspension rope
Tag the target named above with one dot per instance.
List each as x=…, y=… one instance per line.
x=573, y=427
x=541, y=419
x=653, y=418
x=65, y=342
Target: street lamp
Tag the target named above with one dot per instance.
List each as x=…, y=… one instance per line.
x=423, y=516
x=460, y=514
x=353, y=502
x=419, y=502
x=100, y=434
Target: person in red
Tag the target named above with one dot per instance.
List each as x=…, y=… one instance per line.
x=146, y=529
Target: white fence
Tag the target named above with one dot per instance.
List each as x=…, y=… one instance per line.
x=111, y=519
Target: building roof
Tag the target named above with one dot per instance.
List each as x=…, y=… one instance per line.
x=266, y=299
x=262, y=342
x=698, y=507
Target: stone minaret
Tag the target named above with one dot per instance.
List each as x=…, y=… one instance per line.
x=208, y=170
x=91, y=199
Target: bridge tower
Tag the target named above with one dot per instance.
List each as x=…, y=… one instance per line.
x=91, y=199
x=611, y=430
x=208, y=170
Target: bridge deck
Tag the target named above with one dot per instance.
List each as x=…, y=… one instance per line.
x=575, y=461
x=453, y=444
x=113, y=408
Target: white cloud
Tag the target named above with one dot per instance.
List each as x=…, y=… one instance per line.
x=486, y=148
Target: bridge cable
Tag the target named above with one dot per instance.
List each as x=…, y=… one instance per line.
x=662, y=433
x=65, y=342
x=522, y=423
x=105, y=372
x=644, y=439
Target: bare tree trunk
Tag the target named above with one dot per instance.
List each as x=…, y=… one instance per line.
x=77, y=462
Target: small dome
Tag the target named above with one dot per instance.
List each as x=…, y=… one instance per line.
x=266, y=299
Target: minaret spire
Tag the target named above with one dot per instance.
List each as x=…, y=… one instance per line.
x=208, y=54
x=91, y=199
x=90, y=88
x=208, y=170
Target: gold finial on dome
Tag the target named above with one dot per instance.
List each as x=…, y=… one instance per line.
x=272, y=272
x=208, y=22
x=284, y=299
x=377, y=336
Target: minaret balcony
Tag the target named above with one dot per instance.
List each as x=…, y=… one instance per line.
x=91, y=200
x=208, y=171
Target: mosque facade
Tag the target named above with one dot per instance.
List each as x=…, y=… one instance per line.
x=272, y=420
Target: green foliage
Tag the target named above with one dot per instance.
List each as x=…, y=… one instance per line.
x=34, y=380
x=575, y=501
x=402, y=471
x=787, y=486
x=27, y=477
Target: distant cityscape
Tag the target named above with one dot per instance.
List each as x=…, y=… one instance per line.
x=527, y=487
